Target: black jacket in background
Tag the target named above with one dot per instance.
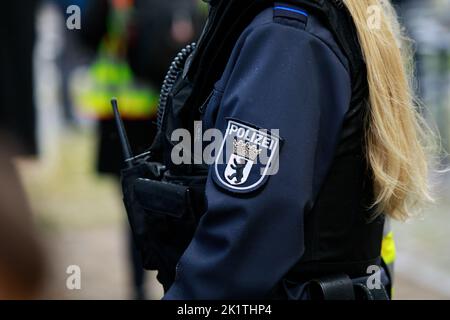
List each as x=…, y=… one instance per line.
x=17, y=110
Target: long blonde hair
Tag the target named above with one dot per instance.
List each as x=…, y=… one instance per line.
x=395, y=131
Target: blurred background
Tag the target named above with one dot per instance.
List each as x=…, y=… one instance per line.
x=60, y=203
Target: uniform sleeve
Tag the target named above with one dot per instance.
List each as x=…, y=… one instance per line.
x=281, y=78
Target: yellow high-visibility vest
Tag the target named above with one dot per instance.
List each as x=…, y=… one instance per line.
x=111, y=76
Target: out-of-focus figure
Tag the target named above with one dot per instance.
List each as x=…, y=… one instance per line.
x=135, y=42
x=21, y=257
x=428, y=24
x=17, y=112
x=71, y=56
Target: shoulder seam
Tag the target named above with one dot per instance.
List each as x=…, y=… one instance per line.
x=345, y=65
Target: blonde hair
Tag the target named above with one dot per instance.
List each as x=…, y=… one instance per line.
x=395, y=138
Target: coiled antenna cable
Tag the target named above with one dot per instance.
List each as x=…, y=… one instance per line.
x=176, y=67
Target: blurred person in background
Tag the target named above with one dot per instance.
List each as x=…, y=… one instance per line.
x=427, y=24
x=17, y=108
x=401, y=7
x=21, y=257
x=135, y=42
x=73, y=54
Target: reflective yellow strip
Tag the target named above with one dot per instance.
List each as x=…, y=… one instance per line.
x=137, y=104
x=388, y=251
x=95, y=104
x=107, y=72
x=134, y=103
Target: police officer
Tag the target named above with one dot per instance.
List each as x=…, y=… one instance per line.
x=286, y=72
x=289, y=206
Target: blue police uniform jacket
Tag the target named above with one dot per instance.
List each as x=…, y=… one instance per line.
x=283, y=74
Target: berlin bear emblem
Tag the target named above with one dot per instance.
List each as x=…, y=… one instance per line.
x=239, y=170
x=248, y=153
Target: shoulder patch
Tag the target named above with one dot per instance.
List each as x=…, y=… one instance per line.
x=247, y=157
x=288, y=11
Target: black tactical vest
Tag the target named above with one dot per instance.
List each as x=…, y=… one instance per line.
x=342, y=235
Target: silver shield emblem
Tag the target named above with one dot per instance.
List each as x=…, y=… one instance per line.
x=245, y=157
